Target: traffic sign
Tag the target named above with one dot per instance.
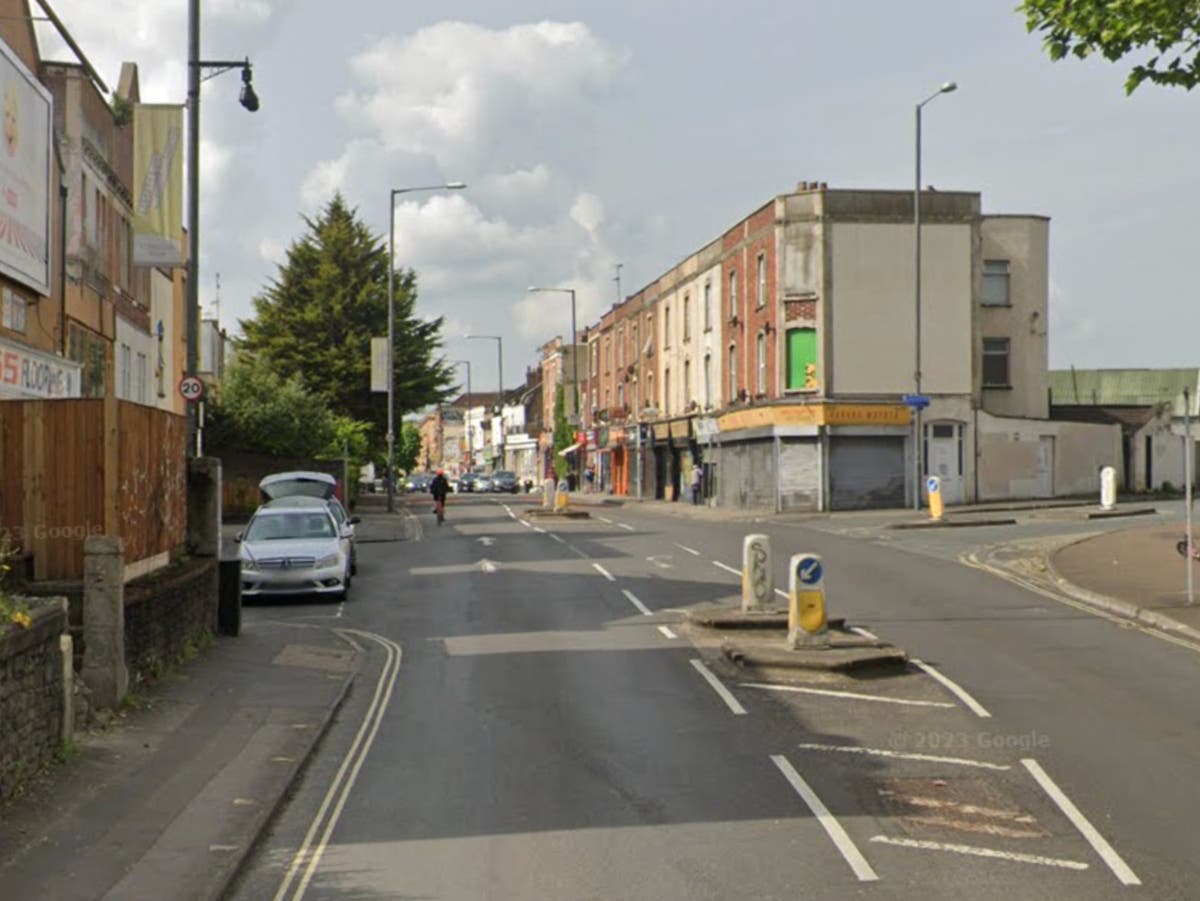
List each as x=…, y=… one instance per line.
x=916, y=401
x=809, y=571
x=933, y=484
x=191, y=388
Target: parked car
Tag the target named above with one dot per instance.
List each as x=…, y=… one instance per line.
x=319, y=485
x=466, y=481
x=504, y=481
x=417, y=482
x=294, y=546
x=483, y=483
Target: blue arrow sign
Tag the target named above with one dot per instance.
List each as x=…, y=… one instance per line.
x=932, y=484
x=809, y=572
x=916, y=401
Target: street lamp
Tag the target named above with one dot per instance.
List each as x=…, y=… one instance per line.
x=574, y=353
x=467, y=414
x=918, y=435
x=391, y=332
x=500, y=395
x=249, y=100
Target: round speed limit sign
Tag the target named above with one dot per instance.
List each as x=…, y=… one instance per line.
x=191, y=388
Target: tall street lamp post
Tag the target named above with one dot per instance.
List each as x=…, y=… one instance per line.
x=577, y=418
x=249, y=100
x=500, y=393
x=918, y=434
x=467, y=414
x=391, y=332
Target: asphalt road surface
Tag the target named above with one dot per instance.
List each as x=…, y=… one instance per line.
x=536, y=722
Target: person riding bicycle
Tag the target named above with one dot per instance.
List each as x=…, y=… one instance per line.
x=439, y=488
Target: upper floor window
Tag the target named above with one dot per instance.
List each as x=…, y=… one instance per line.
x=687, y=317
x=621, y=346
x=708, y=305
x=595, y=358
x=637, y=350
x=761, y=385
x=733, y=379
x=996, y=285
x=666, y=326
x=761, y=300
x=666, y=407
x=687, y=379
x=733, y=294
x=995, y=363
x=708, y=386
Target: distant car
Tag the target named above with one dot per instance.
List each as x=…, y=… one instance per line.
x=318, y=485
x=483, y=483
x=418, y=482
x=504, y=481
x=466, y=481
x=294, y=546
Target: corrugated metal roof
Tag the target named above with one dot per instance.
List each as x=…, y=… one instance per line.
x=1123, y=387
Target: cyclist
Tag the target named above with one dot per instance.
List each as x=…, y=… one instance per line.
x=439, y=488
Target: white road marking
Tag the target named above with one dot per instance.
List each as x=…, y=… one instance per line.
x=347, y=774
x=1106, y=851
x=828, y=821
x=486, y=540
x=730, y=701
x=605, y=519
x=684, y=547
x=340, y=610
x=658, y=560
x=904, y=755
x=604, y=572
x=844, y=694
x=955, y=688
x=487, y=565
x=783, y=594
x=633, y=600
x=557, y=538
x=625, y=526
x=728, y=569
x=665, y=630
x=526, y=523
x=539, y=530
x=865, y=633
x=577, y=551
x=1014, y=856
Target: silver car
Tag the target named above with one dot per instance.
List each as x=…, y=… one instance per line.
x=320, y=485
x=294, y=548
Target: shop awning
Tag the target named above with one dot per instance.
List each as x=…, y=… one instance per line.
x=570, y=450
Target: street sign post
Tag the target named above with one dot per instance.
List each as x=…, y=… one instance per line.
x=916, y=401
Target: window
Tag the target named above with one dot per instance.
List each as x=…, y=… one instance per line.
x=761, y=386
x=139, y=379
x=995, y=284
x=733, y=381
x=621, y=395
x=708, y=306
x=666, y=407
x=733, y=294
x=687, y=380
x=761, y=299
x=126, y=364
x=708, y=386
x=995, y=363
x=637, y=348
x=801, y=359
x=595, y=359
x=621, y=346
x=687, y=317
x=666, y=326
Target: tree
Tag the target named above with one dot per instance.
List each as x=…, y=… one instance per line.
x=316, y=319
x=408, y=447
x=1169, y=31
x=564, y=437
x=256, y=409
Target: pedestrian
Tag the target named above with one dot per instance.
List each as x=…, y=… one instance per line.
x=439, y=488
x=696, y=476
x=590, y=477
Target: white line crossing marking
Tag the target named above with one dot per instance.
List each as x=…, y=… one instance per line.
x=525, y=523
x=955, y=688
x=605, y=519
x=903, y=755
x=604, y=572
x=974, y=851
x=1106, y=851
x=539, y=530
x=828, y=692
x=828, y=821
x=684, y=547
x=665, y=630
x=730, y=701
x=728, y=569
x=625, y=526
x=633, y=600
x=557, y=538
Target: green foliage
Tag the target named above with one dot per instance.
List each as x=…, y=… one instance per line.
x=564, y=437
x=316, y=319
x=12, y=608
x=408, y=448
x=256, y=409
x=1167, y=30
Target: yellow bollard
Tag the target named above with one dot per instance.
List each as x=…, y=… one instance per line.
x=933, y=486
x=561, y=496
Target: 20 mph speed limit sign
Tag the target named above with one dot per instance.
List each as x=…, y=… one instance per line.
x=191, y=388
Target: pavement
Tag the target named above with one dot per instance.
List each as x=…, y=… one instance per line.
x=174, y=790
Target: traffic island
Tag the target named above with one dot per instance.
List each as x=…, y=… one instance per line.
x=544, y=513
x=730, y=615
x=840, y=651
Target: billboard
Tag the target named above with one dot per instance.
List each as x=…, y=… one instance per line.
x=24, y=175
x=158, y=182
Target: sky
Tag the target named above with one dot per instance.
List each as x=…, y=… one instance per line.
x=629, y=133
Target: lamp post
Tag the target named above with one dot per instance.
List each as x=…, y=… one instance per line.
x=249, y=100
x=467, y=414
x=574, y=353
x=391, y=331
x=500, y=394
x=918, y=435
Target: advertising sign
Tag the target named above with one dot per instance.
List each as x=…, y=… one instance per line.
x=24, y=175
x=158, y=181
x=29, y=373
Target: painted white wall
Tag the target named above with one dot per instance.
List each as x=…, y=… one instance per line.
x=134, y=356
x=1008, y=456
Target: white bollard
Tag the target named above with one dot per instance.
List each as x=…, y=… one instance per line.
x=1108, y=488
x=758, y=581
x=548, y=494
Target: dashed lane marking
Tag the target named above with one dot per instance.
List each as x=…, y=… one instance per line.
x=957, y=690
x=830, y=693
x=724, y=693
x=604, y=572
x=666, y=631
x=728, y=569
x=645, y=611
x=904, y=755
x=1014, y=856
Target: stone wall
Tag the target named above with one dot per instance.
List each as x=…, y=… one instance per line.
x=166, y=610
x=33, y=704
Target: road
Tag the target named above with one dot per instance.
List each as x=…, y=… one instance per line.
x=537, y=722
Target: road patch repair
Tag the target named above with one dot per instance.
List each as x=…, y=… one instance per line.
x=796, y=637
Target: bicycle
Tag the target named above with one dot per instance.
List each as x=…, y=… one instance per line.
x=439, y=507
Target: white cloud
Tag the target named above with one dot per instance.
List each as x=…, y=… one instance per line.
x=272, y=251
x=588, y=213
x=214, y=162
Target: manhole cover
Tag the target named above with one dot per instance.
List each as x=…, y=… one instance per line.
x=315, y=657
x=926, y=807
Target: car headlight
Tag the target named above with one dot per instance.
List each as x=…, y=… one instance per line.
x=327, y=561
x=249, y=566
